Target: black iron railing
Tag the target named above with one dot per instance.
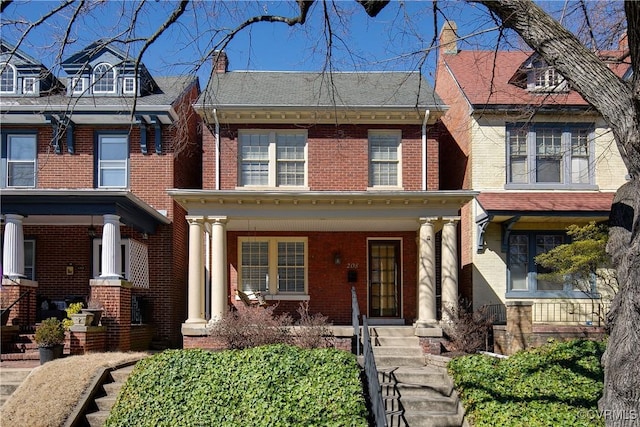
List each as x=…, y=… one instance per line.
x=355, y=319
x=590, y=313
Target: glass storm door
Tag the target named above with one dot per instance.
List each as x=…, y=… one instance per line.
x=384, y=278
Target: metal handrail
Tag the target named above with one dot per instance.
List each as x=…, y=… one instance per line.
x=16, y=301
x=355, y=318
x=371, y=372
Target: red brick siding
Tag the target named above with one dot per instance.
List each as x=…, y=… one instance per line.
x=87, y=342
x=116, y=301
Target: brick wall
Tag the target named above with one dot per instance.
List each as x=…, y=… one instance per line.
x=337, y=155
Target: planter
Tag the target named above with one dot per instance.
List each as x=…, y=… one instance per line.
x=97, y=315
x=47, y=354
x=5, y=316
x=82, y=319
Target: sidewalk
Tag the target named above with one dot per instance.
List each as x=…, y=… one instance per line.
x=19, y=364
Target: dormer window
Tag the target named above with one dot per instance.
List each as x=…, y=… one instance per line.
x=542, y=77
x=8, y=78
x=129, y=85
x=104, y=79
x=29, y=85
x=77, y=85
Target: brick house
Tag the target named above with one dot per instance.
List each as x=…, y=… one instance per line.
x=314, y=183
x=541, y=159
x=84, y=203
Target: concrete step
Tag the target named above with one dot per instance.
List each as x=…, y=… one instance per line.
x=398, y=351
x=121, y=375
x=396, y=341
x=112, y=388
x=10, y=380
x=396, y=361
x=97, y=419
x=435, y=419
x=105, y=403
x=424, y=375
x=392, y=331
x=433, y=404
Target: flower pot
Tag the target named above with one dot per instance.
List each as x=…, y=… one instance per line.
x=47, y=354
x=82, y=319
x=97, y=315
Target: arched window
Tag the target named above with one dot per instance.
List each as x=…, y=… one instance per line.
x=104, y=79
x=7, y=78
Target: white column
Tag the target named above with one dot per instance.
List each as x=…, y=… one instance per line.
x=449, y=267
x=426, y=274
x=111, y=261
x=196, y=271
x=13, y=247
x=219, y=295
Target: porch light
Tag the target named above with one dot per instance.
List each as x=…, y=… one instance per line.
x=337, y=258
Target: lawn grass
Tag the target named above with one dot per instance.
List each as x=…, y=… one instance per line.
x=556, y=384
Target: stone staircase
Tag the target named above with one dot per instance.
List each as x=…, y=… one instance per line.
x=416, y=393
x=103, y=397
x=10, y=380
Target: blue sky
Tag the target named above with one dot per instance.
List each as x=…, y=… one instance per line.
x=394, y=40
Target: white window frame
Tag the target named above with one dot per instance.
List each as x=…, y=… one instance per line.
x=544, y=78
x=25, y=83
x=385, y=134
x=272, y=286
x=272, y=158
x=6, y=67
x=97, y=79
x=112, y=164
x=77, y=85
x=7, y=162
x=527, y=156
x=125, y=255
x=131, y=80
x=30, y=268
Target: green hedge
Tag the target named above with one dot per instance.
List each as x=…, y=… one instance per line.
x=557, y=384
x=276, y=385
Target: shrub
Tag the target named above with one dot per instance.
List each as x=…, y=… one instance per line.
x=252, y=326
x=313, y=329
x=557, y=384
x=73, y=308
x=49, y=333
x=468, y=330
x=263, y=386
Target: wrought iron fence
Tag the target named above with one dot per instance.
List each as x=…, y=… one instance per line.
x=579, y=313
x=496, y=313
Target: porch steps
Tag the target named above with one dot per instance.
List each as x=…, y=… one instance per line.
x=10, y=380
x=105, y=397
x=416, y=392
x=21, y=347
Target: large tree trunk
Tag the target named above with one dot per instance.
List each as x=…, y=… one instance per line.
x=619, y=104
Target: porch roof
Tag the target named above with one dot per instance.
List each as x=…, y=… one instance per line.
x=41, y=206
x=329, y=211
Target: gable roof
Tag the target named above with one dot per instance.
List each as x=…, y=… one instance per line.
x=484, y=77
x=320, y=90
x=9, y=53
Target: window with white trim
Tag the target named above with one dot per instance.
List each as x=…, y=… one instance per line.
x=77, y=85
x=523, y=272
x=19, y=160
x=272, y=159
x=384, y=159
x=544, y=78
x=29, y=85
x=129, y=85
x=550, y=155
x=30, y=259
x=8, y=78
x=113, y=160
x=273, y=265
x=104, y=78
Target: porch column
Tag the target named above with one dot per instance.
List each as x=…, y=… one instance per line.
x=426, y=274
x=449, y=267
x=111, y=262
x=219, y=295
x=196, y=270
x=13, y=248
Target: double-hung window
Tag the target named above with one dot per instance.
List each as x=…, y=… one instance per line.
x=272, y=159
x=548, y=155
x=18, y=160
x=113, y=160
x=8, y=78
x=273, y=265
x=384, y=159
x=104, y=79
x=523, y=272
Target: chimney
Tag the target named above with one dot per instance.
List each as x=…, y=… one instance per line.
x=220, y=62
x=449, y=38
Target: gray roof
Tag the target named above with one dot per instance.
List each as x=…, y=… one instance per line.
x=169, y=90
x=306, y=89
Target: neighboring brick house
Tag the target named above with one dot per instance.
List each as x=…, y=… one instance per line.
x=314, y=183
x=86, y=164
x=539, y=155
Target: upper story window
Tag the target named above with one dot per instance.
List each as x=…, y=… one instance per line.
x=29, y=85
x=104, y=78
x=77, y=85
x=550, y=155
x=8, y=78
x=272, y=159
x=523, y=272
x=544, y=78
x=19, y=160
x=273, y=265
x=113, y=160
x=129, y=85
x=385, y=152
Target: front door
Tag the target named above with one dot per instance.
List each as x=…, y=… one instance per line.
x=384, y=278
